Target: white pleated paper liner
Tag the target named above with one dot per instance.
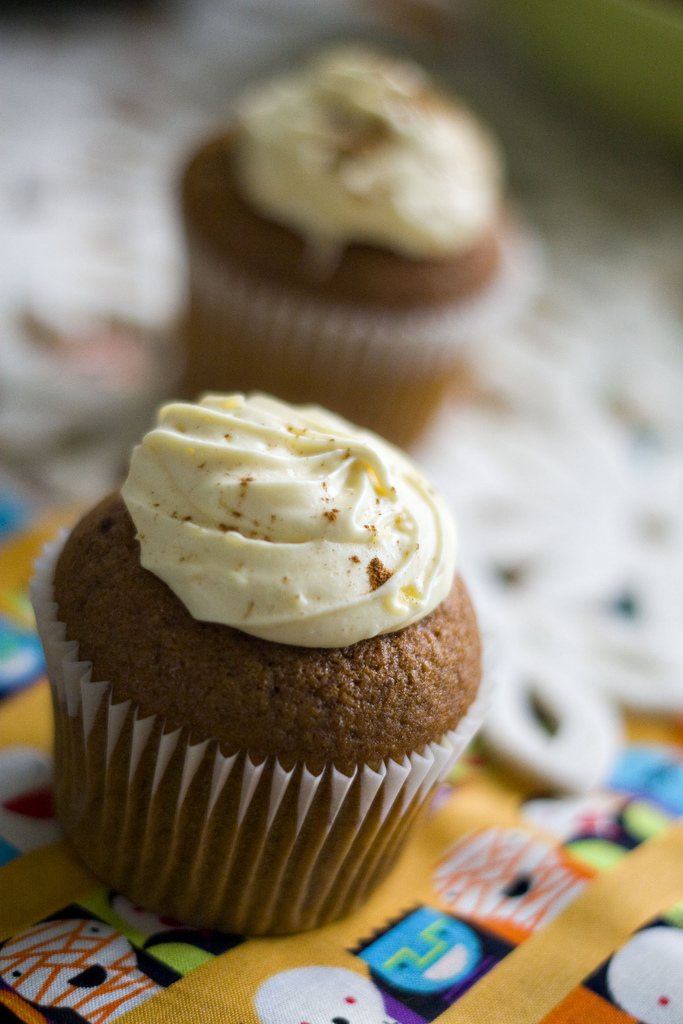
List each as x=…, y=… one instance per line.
x=219, y=841
x=250, y=334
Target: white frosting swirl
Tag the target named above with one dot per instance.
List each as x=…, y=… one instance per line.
x=359, y=147
x=288, y=522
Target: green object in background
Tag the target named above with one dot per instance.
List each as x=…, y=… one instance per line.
x=625, y=57
x=598, y=853
x=181, y=956
x=675, y=915
x=644, y=821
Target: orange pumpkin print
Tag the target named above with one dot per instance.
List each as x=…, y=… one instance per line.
x=508, y=880
x=79, y=963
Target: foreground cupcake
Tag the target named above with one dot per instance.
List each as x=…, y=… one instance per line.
x=262, y=664
x=345, y=238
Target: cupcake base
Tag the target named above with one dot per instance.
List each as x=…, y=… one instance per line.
x=215, y=841
x=371, y=334
x=283, y=356
x=386, y=369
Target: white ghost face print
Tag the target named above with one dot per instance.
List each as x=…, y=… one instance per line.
x=320, y=995
x=26, y=816
x=645, y=977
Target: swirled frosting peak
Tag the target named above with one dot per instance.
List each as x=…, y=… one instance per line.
x=287, y=522
x=358, y=147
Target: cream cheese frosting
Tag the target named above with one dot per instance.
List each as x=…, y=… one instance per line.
x=358, y=147
x=288, y=522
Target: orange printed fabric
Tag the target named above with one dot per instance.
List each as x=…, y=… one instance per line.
x=562, y=910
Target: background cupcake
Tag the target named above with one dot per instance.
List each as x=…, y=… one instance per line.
x=255, y=696
x=347, y=235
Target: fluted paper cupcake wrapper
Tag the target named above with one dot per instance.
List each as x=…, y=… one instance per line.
x=218, y=841
x=378, y=366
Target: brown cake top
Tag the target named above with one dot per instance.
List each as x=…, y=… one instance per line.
x=378, y=698
x=223, y=224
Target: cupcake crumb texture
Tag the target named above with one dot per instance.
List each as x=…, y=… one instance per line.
x=378, y=574
x=353, y=705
